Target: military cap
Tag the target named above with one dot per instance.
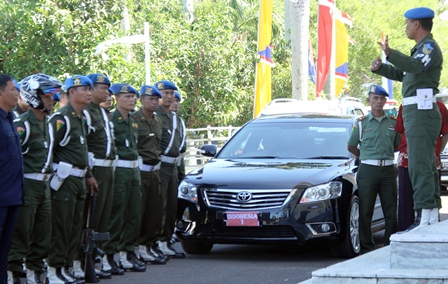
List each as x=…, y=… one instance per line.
x=16, y=84
x=147, y=90
x=77, y=81
x=419, y=13
x=122, y=88
x=165, y=85
x=99, y=79
x=177, y=95
x=377, y=90
x=56, y=97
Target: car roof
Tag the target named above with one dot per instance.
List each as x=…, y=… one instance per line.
x=334, y=106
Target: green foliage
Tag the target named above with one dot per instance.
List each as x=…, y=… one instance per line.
x=371, y=18
x=212, y=60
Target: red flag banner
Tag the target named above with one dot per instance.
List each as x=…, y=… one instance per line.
x=324, y=42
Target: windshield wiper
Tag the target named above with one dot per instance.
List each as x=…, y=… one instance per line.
x=328, y=157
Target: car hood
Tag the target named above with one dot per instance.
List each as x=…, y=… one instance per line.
x=267, y=174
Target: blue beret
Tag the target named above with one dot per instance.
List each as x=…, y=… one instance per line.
x=99, y=79
x=56, y=97
x=378, y=90
x=177, y=95
x=77, y=81
x=17, y=84
x=419, y=13
x=150, y=91
x=165, y=85
x=122, y=88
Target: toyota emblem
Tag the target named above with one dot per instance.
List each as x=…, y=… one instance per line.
x=244, y=196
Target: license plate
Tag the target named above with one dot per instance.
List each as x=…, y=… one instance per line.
x=246, y=219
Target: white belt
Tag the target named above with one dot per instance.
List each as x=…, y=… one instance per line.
x=38, y=176
x=413, y=100
x=104, y=163
x=378, y=163
x=74, y=171
x=127, y=164
x=170, y=160
x=149, y=168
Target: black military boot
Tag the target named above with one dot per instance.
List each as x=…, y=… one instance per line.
x=54, y=276
x=110, y=266
x=128, y=260
x=169, y=251
x=146, y=255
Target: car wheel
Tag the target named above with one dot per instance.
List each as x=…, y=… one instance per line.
x=196, y=247
x=351, y=245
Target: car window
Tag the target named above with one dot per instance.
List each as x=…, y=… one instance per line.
x=289, y=140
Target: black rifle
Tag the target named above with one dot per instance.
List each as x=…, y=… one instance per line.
x=89, y=239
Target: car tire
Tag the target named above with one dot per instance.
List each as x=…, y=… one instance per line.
x=351, y=245
x=196, y=247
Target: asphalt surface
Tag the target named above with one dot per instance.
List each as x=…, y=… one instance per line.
x=245, y=264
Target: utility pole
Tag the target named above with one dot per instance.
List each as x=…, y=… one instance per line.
x=299, y=16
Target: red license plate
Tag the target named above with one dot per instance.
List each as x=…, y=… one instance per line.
x=246, y=219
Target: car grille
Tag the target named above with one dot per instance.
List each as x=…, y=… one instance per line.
x=245, y=199
x=248, y=232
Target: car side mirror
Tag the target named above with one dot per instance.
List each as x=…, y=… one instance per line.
x=209, y=150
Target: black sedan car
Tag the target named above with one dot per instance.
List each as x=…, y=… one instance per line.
x=285, y=179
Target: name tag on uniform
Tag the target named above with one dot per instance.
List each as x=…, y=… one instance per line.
x=126, y=142
x=151, y=134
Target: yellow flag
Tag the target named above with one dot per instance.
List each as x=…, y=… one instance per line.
x=263, y=73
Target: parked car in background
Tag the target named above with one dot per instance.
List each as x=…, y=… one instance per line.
x=280, y=179
x=344, y=105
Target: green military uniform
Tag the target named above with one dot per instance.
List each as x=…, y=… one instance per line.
x=125, y=214
x=67, y=202
x=420, y=70
x=149, y=136
x=169, y=145
x=377, y=142
x=182, y=149
x=17, y=111
x=31, y=240
x=101, y=143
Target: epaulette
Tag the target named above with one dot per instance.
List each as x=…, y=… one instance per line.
x=393, y=117
x=361, y=118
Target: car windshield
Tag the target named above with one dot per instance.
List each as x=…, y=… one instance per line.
x=296, y=140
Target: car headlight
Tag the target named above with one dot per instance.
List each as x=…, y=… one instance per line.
x=188, y=192
x=322, y=192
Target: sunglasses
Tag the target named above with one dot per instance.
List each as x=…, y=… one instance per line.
x=51, y=91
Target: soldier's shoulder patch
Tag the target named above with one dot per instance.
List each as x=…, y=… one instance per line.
x=427, y=48
x=59, y=124
x=361, y=118
x=20, y=131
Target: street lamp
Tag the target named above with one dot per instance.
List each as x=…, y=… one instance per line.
x=133, y=39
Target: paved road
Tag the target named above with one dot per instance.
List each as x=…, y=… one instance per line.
x=243, y=264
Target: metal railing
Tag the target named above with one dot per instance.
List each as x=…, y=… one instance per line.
x=197, y=137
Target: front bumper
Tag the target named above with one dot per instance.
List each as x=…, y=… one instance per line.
x=297, y=223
